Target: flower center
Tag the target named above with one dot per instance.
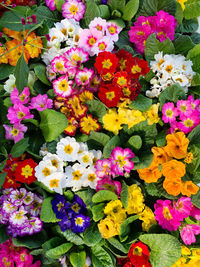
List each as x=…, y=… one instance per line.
x=167, y=213
x=46, y=171
x=54, y=183
x=73, y=9
x=27, y=171
x=137, y=251
x=68, y=149
x=77, y=175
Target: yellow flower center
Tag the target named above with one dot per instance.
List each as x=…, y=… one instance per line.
x=23, y=257
x=27, y=171
x=92, y=41
x=86, y=159
x=102, y=46
x=54, y=163
x=20, y=114
x=110, y=95
x=14, y=132
x=107, y=64
x=68, y=149
x=179, y=80
x=167, y=213
x=169, y=68
x=169, y=113
x=54, y=183
x=188, y=123
x=22, y=97
x=79, y=221
x=46, y=171
x=189, y=157
x=122, y=81
x=126, y=91
x=63, y=86
x=140, y=33
x=183, y=108
x=60, y=205
x=160, y=63
x=76, y=207
x=135, y=69
x=91, y=177
x=98, y=27
x=64, y=31
x=76, y=58
x=112, y=30
x=121, y=161
x=77, y=175
x=137, y=251
x=59, y=66
x=73, y=9
x=6, y=262
x=84, y=79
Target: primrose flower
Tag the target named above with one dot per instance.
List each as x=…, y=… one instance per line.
x=15, y=132
x=169, y=112
x=84, y=76
x=75, y=176
x=183, y=207
x=73, y=9
x=62, y=86
x=22, y=98
x=51, y=4
x=103, y=168
x=188, y=233
x=188, y=122
x=112, y=31
x=58, y=65
x=67, y=149
x=102, y=45
x=99, y=24
x=18, y=112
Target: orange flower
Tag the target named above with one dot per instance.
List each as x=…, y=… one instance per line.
x=15, y=34
x=150, y=174
x=3, y=59
x=160, y=155
x=34, y=45
x=173, y=169
x=16, y=53
x=189, y=188
x=177, y=145
x=172, y=186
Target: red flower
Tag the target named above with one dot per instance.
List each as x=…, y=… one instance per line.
x=109, y=94
x=139, y=255
x=106, y=62
x=125, y=262
x=25, y=171
x=71, y=127
x=123, y=56
x=137, y=67
x=78, y=110
x=107, y=75
x=10, y=180
x=132, y=90
x=121, y=79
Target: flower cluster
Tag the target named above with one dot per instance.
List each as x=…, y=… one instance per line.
x=82, y=174
x=138, y=256
x=171, y=217
x=185, y=116
x=163, y=25
x=171, y=168
x=118, y=164
x=100, y=36
x=20, y=212
x=169, y=70
x=119, y=72
x=15, y=256
x=72, y=215
x=19, y=111
x=19, y=170
x=189, y=257
x=14, y=48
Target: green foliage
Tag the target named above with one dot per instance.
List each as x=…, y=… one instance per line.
x=125, y=227
x=104, y=195
x=111, y=144
x=57, y=252
x=118, y=245
x=172, y=94
x=182, y=44
x=161, y=139
x=145, y=159
x=151, y=7
x=92, y=236
x=59, y=4
x=97, y=212
x=141, y=103
x=193, y=166
x=195, y=80
x=86, y=196
x=77, y=258
x=188, y=26
x=52, y=243
x=130, y=9
x=153, y=46
x=70, y=236
x=5, y=71
x=194, y=135
x=2, y=178
x=196, y=199
x=3, y=235
x=124, y=195
x=179, y=14
x=101, y=138
x=117, y=5
x=52, y=124
x=104, y=11
x=165, y=249
x=92, y=11
x=100, y=257
x=40, y=72
x=135, y=143
x=19, y=148
x=192, y=9
x=194, y=55
x=47, y=213
x=96, y=108
x=21, y=73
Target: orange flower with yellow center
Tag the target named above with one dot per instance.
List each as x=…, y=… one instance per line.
x=4, y=58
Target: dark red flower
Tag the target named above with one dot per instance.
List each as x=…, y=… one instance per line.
x=139, y=255
x=25, y=171
x=123, y=56
x=110, y=95
x=10, y=180
x=106, y=62
x=132, y=90
x=137, y=67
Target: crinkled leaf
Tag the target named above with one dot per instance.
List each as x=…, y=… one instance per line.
x=193, y=166
x=47, y=213
x=59, y=4
x=58, y=252
x=151, y=7
x=5, y=70
x=161, y=139
x=2, y=178
x=179, y=14
x=101, y=138
x=194, y=56
x=130, y=9
x=104, y=195
x=86, y=196
x=100, y=257
x=111, y=144
x=172, y=94
x=70, y=236
x=145, y=159
x=77, y=258
x=117, y=5
x=135, y=143
x=194, y=135
x=182, y=44
x=196, y=199
x=141, y=103
x=40, y=72
x=92, y=11
x=195, y=80
x=124, y=195
x=52, y=243
x=3, y=234
x=125, y=227
x=97, y=212
x=192, y=9
x=92, y=236
x=188, y=26
x=96, y=108
x=104, y=11
x=118, y=245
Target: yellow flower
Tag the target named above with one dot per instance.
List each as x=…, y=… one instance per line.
x=115, y=210
x=125, y=103
x=88, y=124
x=196, y=252
x=3, y=59
x=34, y=45
x=132, y=117
x=152, y=114
x=148, y=218
x=185, y=251
x=113, y=121
x=86, y=95
x=181, y=2
x=189, y=157
x=180, y=262
x=107, y=228
x=135, y=200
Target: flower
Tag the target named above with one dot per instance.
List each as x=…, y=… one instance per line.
x=58, y=205
x=102, y=45
x=188, y=188
x=150, y=174
x=112, y=121
x=137, y=67
x=110, y=95
x=173, y=185
x=139, y=254
x=183, y=207
x=99, y=24
x=169, y=112
x=88, y=124
x=160, y=155
x=182, y=3
x=62, y=86
x=73, y=9
x=76, y=176
x=41, y=102
x=152, y=114
x=80, y=223
x=148, y=218
x=135, y=200
x=107, y=228
x=173, y=169
x=84, y=76
x=188, y=233
x=15, y=132
x=55, y=182
x=18, y=112
x=51, y=4
x=25, y=171
x=67, y=149
x=10, y=84
x=112, y=31
x=108, y=184
x=71, y=126
x=115, y=211
x=106, y=62
x=22, y=98
x=58, y=65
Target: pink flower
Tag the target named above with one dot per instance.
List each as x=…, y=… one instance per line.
x=84, y=76
x=15, y=132
x=18, y=112
x=188, y=233
x=194, y=103
x=195, y=212
x=108, y=184
x=105, y=44
x=62, y=86
x=184, y=107
x=73, y=9
x=188, y=122
x=169, y=112
x=88, y=37
x=41, y=102
x=58, y=65
x=173, y=127
x=23, y=98
x=51, y=4
x=23, y=258
x=5, y=260
x=99, y=24
x=120, y=160
x=183, y=207
x=112, y=31
x=103, y=168
x=166, y=215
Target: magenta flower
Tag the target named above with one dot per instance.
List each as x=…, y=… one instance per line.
x=188, y=122
x=58, y=64
x=195, y=212
x=63, y=87
x=103, y=168
x=166, y=215
x=51, y=4
x=108, y=184
x=120, y=160
x=73, y=9
x=194, y=103
x=84, y=76
x=184, y=107
x=41, y=102
x=15, y=132
x=169, y=112
x=183, y=207
x=17, y=113
x=23, y=98
x=188, y=233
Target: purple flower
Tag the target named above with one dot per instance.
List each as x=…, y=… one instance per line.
x=77, y=206
x=104, y=2
x=188, y=233
x=80, y=223
x=22, y=98
x=15, y=132
x=65, y=224
x=35, y=207
x=41, y=102
x=17, y=113
x=58, y=205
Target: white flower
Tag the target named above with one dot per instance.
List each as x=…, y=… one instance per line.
x=181, y=79
x=67, y=149
x=43, y=150
x=97, y=155
x=102, y=45
x=91, y=178
x=86, y=158
x=55, y=161
x=55, y=182
x=159, y=60
x=9, y=207
x=10, y=84
x=76, y=176
x=44, y=169
x=48, y=56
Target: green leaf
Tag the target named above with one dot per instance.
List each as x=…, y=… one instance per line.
x=141, y=103
x=77, y=258
x=40, y=72
x=52, y=243
x=104, y=11
x=179, y=14
x=152, y=190
x=153, y=46
x=19, y=148
x=172, y=94
x=86, y=196
x=151, y=7
x=195, y=38
x=195, y=80
x=97, y=212
x=70, y=236
x=188, y=26
x=118, y=245
x=101, y=258
x=43, y=13
x=58, y=252
x=104, y=195
x=182, y=44
x=165, y=249
x=52, y=124
x=111, y=144
x=125, y=227
x=193, y=166
x=92, y=11
x=124, y=195
x=21, y=73
x=59, y=4
x=196, y=199
x=192, y=9
x=123, y=40
x=96, y=108
x=92, y=236
x=5, y=71
x=119, y=22
x=130, y=9
x=3, y=234
x=117, y=5
x=145, y=159
x=135, y=143
x=194, y=56
x=2, y=178
x=161, y=139
x=47, y=213
x=194, y=135
x=101, y=138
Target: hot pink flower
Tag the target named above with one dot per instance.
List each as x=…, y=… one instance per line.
x=51, y=4
x=41, y=102
x=22, y=98
x=62, y=86
x=166, y=215
x=15, y=132
x=18, y=112
x=188, y=233
x=183, y=207
x=73, y=9
x=108, y=184
x=169, y=112
x=195, y=212
x=84, y=76
x=103, y=168
x=184, y=107
x=188, y=122
x=194, y=103
x=58, y=65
